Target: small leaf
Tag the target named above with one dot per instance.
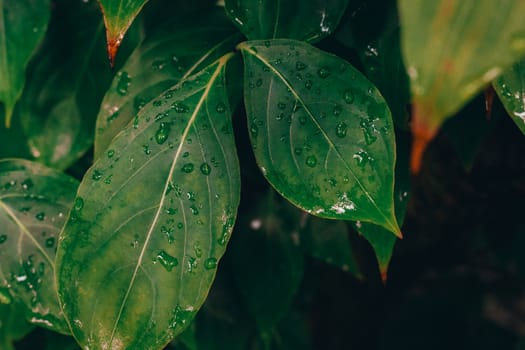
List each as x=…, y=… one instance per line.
x=152, y=219
x=321, y=132
x=293, y=19
x=452, y=49
x=23, y=24
x=34, y=202
x=162, y=60
x=118, y=16
x=510, y=87
x=267, y=261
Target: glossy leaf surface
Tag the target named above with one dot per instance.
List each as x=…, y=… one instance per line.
x=442, y=43
x=118, y=16
x=510, y=87
x=321, y=132
x=152, y=219
x=267, y=260
x=293, y=19
x=23, y=24
x=175, y=51
x=34, y=202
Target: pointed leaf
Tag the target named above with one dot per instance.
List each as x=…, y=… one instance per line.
x=452, y=49
x=293, y=19
x=162, y=60
x=511, y=90
x=118, y=16
x=152, y=219
x=321, y=132
x=34, y=202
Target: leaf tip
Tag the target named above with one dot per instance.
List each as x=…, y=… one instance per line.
x=383, y=270
x=422, y=133
x=8, y=114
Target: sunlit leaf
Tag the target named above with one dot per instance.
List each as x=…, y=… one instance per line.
x=293, y=19
x=267, y=261
x=66, y=83
x=452, y=49
x=118, y=16
x=511, y=90
x=174, y=52
x=23, y=24
x=34, y=202
x=152, y=219
x=321, y=132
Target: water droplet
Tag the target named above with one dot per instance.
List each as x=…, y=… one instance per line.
x=205, y=168
x=111, y=153
x=50, y=242
x=267, y=43
x=27, y=184
x=79, y=204
x=123, y=83
x=158, y=65
x=169, y=234
x=180, y=225
x=323, y=72
x=97, y=175
x=337, y=110
x=40, y=216
x=341, y=129
x=332, y=182
x=258, y=83
x=146, y=149
x=210, y=263
x=302, y=120
x=194, y=209
x=367, y=125
x=348, y=96
x=162, y=133
x=298, y=151
x=254, y=130
x=311, y=161
x=362, y=158
x=221, y=108
x=308, y=84
x=187, y=168
x=179, y=107
x=300, y=65
x=108, y=179
x=166, y=260
x=5, y=297
x=3, y=238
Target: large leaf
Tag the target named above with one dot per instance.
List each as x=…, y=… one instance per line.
x=510, y=87
x=13, y=325
x=118, y=16
x=321, y=132
x=452, y=49
x=293, y=19
x=152, y=219
x=34, y=202
x=23, y=24
x=66, y=83
x=175, y=51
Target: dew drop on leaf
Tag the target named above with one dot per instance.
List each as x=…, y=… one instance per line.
x=254, y=130
x=97, y=175
x=179, y=107
x=187, y=168
x=79, y=204
x=40, y=216
x=337, y=110
x=3, y=238
x=308, y=84
x=341, y=129
x=300, y=65
x=50, y=242
x=221, y=108
x=27, y=184
x=210, y=263
x=205, y=168
x=348, y=96
x=162, y=133
x=123, y=83
x=311, y=161
x=166, y=260
x=323, y=73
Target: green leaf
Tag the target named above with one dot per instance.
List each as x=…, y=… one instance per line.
x=172, y=53
x=327, y=240
x=452, y=49
x=118, y=16
x=321, y=132
x=293, y=19
x=152, y=219
x=510, y=87
x=66, y=83
x=13, y=325
x=34, y=202
x=267, y=261
x=23, y=24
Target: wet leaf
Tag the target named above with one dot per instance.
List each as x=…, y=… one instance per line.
x=267, y=261
x=23, y=24
x=174, y=52
x=152, y=219
x=34, y=202
x=66, y=83
x=321, y=132
x=452, y=49
x=510, y=87
x=118, y=16
x=293, y=19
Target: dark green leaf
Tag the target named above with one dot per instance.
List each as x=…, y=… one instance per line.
x=34, y=202
x=118, y=16
x=152, y=219
x=13, y=325
x=164, y=58
x=452, y=49
x=293, y=19
x=23, y=24
x=328, y=241
x=267, y=261
x=66, y=82
x=321, y=132
x=511, y=90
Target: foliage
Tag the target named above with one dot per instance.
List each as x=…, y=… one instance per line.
x=121, y=179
